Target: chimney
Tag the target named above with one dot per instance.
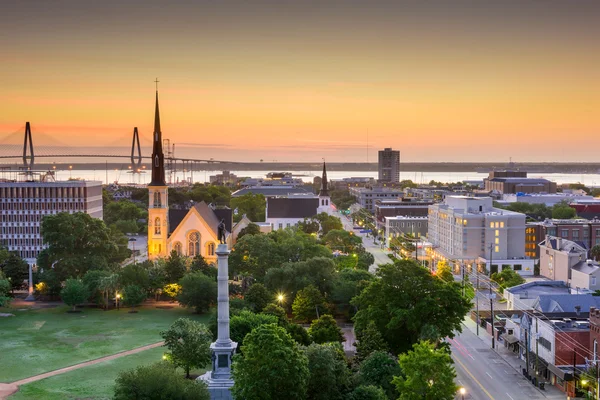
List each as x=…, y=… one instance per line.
x=578, y=310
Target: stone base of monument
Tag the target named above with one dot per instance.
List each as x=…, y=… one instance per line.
x=219, y=380
x=219, y=389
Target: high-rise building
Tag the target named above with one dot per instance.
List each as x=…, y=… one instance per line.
x=23, y=204
x=389, y=165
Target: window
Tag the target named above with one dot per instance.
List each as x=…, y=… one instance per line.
x=575, y=234
x=491, y=224
x=193, y=244
x=157, y=226
x=496, y=225
x=497, y=240
x=595, y=349
x=210, y=249
x=564, y=233
x=497, y=249
x=593, y=280
x=501, y=224
x=280, y=225
x=517, y=267
x=497, y=232
x=157, y=200
x=177, y=247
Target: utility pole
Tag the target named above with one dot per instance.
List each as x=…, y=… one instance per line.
x=537, y=339
x=463, y=278
x=477, y=298
x=527, y=348
x=492, y=301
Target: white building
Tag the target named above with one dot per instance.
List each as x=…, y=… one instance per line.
x=24, y=204
x=366, y=197
x=549, y=199
x=471, y=231
x=285, y=212
x=405, y=225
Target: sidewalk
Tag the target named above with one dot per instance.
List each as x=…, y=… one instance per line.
x=549, y=392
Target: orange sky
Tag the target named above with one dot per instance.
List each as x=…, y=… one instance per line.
x=300, y=81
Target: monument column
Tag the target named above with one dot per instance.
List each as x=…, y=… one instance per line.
x=219, y=380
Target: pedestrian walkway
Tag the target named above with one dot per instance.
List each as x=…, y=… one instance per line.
x=6, y=389
x=511, y=358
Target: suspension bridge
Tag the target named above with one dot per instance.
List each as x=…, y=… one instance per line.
x=19, y=146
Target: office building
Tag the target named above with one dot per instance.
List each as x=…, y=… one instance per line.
x=584, y=232
x=504, y=182
x=23, y=204
x=366, y=197
x=470, y=231
x=389, y=165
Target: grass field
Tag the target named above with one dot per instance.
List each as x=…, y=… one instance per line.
x=37, y=341
x=93, y=382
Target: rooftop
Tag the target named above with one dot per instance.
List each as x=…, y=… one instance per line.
x=532, y=290
x=270, y=191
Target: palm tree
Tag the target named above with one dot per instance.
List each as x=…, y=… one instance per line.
x=108, y=285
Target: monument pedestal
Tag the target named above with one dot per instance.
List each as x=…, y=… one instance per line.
x=219, y=380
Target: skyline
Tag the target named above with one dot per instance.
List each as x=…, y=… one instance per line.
x=471, y=82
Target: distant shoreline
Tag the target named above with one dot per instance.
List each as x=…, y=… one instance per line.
x=563, y=168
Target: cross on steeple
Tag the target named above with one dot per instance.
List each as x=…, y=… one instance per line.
x=156, y=82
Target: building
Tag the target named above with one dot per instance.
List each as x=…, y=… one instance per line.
x=224, y=178
x=584, y=232
x=472, y=231
x=271, y=191
x=402, y=207
x=402, y=225
x=389, y=165
x=587, y=208
x=549, y=199
x=517, y=182
x=523, y=297
x=366, y=197
x=567, y=261
x=285, y=212
x=594, y=319
x=188, y=232
x=346, y=183
x=23, y=204
x=273, y=179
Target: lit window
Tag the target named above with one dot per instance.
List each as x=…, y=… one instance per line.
x=210, y=249
x=194, y=244
x=491, y=224
x=501, y=224
x=496, y=225
x=497, y=249
x=497, y=240
x=157, y=226
x=497, y=232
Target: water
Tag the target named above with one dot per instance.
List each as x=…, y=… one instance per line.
x=125, y=177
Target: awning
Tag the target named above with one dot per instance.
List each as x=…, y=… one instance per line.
x=560, y=373
x=510, y=339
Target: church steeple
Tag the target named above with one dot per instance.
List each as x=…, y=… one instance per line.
x=158, y=158
x=324, y=192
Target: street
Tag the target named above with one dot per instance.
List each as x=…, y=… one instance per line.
x=380, y=255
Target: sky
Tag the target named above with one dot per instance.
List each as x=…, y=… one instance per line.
x=306, y=80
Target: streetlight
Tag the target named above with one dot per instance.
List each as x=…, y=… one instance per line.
x=70, y=169
x=117, y=297
x=462, y=392
x=280, y=298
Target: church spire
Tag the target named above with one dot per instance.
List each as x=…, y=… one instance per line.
x=158, y=158
x=324, y=192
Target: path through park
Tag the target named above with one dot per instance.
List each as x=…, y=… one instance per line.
x=6, y=389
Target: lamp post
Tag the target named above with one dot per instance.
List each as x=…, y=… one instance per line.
x=117, y=297
x=70, y=171
x=492, y=300
x=462, y=392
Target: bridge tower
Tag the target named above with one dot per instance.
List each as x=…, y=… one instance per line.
x=136, y=160
x=28, y=160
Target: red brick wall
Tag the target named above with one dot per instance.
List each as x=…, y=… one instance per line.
x=566, y=342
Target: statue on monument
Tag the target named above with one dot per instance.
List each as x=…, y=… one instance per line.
x=221, y=232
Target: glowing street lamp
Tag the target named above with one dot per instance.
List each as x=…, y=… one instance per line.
x=118, y=296
x=280, y=298
x=462, y=392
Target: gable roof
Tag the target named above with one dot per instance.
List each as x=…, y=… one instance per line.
x=556, y=303
x=211, y=217
x=290, y=207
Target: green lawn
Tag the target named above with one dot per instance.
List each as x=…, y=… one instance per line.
x=93, y=382
x=37, y=341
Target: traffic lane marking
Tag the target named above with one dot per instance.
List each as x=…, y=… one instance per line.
x=473, y=377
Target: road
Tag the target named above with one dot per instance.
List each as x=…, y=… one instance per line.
x=484, y=374
x=380, y=256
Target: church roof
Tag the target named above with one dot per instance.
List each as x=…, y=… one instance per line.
x=292, y=207
x=210, y=216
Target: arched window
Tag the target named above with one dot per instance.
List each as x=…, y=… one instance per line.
x=193, y=244
x=157, y=226
x=210, y=249
x=177, y=247
x=157, y=200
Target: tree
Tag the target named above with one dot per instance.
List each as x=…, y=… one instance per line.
x=405, y=302
x=277, y=311
x=378, y=369
x=298, y=333
x=259, y=375
x=252, y=205
x=75, y=292
x=251, y=229
x=174, y=267
x=507, y=278
x=125, y=214
x=108, y=285
x=369, y=340
x=348, y=283
x=595, y=252
x=172, y=290
x=134, y=274
x=188, y=343
x=428, y=374
x=78, y=243
x=443, y=272
x=92, y=279
x=325, y=329
x=563, y=211
x=365, y=260
x=133, y=296
x=368, y=392
x=309, y=226
x=49, y=283
x=197, y=291
x=292, y=277
x=199, y=264
x=258, y=297
x=156, y=382
x=16, y=270
x=306, y=303
x=244, y=322
x=4, y=290
x=343, y=241
x=329, y=377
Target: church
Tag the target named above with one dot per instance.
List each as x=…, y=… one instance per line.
x=189, y=232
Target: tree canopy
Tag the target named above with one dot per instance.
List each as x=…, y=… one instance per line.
x=427, y=374
x=295, y=276
x=250, y=204
x=15, y=269
x=406, y=302
x=75, y=292
x=259, y=375
x=379, y=369
x=197, y=291
x=78, y=243
x=325, y=329
x=188, y=343
x=245, y=321
x=507, y=278
x=307, y=302
x=329, y=377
